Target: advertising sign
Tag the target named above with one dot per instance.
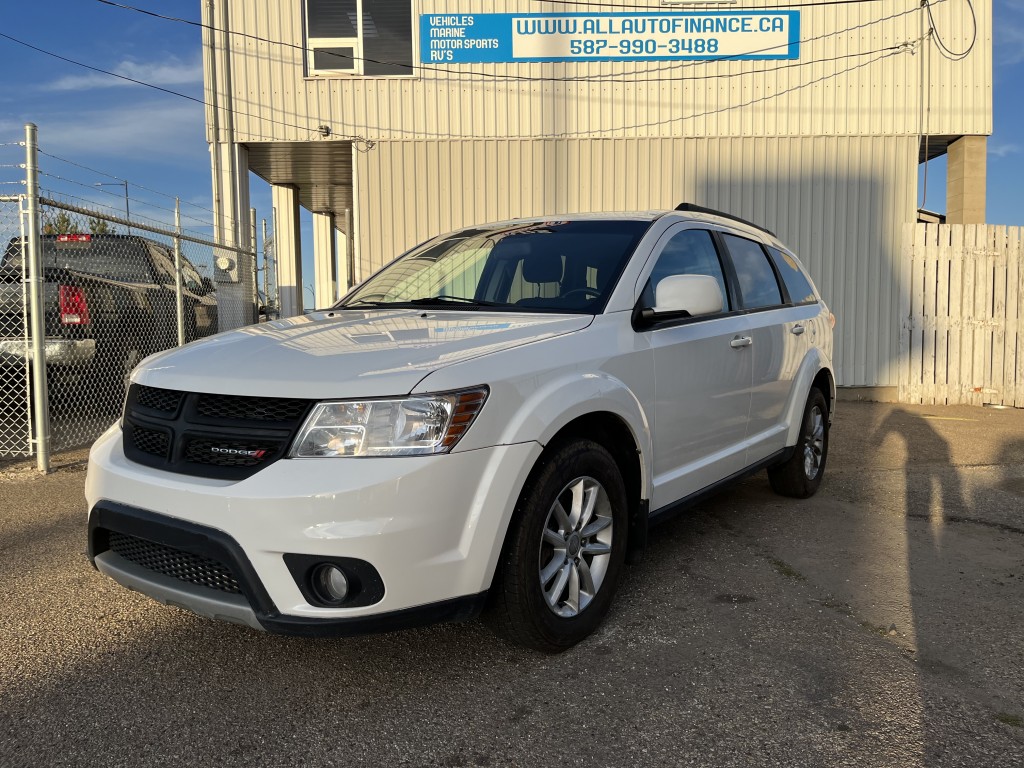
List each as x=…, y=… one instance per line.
x=507, y=38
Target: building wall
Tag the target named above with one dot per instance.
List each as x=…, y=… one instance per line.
x=833, y=89
x=823, y=150
x=839, y=202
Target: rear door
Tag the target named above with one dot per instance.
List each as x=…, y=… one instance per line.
x=702, y=373
x=778, y=329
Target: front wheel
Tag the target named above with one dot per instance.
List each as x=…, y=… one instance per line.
x=800, y=475
x=565, y=550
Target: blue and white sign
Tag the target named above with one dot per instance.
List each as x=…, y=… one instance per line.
x=506, y=38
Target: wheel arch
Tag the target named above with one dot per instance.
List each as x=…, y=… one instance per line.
x=815, y=371
x=613, y=432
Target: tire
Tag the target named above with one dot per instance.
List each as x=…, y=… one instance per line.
x=800, y=475
x=540, y=598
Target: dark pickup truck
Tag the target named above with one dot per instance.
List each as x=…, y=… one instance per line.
x=109, y=302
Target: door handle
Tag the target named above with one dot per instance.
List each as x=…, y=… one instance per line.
x=741, y=341
x=797, y=329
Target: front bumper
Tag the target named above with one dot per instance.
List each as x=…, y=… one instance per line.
x=64, y=352
x=251, y=606
x=431, y=526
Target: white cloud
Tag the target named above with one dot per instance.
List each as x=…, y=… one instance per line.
x=154, y=131
x=171, y=72
x=1008, y=43
x=1002, y=150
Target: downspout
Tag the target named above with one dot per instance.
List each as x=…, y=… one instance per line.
x=213, y=118
x=229, y=118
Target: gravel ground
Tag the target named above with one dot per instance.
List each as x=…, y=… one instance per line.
x=878, y=624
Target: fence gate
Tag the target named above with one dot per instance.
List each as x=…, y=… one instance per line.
x=962, y=313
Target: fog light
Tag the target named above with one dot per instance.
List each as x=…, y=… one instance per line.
x=330, y=583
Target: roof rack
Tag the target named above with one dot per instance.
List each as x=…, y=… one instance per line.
x=691, y=208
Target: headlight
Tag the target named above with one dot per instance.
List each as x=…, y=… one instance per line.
x=403, y=427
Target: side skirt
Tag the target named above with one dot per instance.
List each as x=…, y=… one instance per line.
x=673, y=510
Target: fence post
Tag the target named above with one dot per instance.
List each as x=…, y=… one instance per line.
x=40, y=396
x=266, y=276
x=255, y=267
x=179, y=291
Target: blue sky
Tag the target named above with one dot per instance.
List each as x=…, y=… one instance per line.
x=157, y=140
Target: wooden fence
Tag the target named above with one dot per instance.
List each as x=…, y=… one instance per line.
x=962, y=312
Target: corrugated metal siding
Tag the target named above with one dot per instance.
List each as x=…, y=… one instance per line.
x=839, y=202
x=845, y=96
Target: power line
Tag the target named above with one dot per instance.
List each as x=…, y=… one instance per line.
x=812, y=4
x=86, y=203
x=527, y=78
x=357, y=139
x=735, y=57
x=369, y=144
x=944, y=49
x=892, y=51
x=136, y=200
x=123, y=181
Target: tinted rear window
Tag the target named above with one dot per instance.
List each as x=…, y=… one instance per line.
x=121, y=258
x=758, y=286
x=797, y=284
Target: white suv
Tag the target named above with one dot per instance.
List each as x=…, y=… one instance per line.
x=495, y=419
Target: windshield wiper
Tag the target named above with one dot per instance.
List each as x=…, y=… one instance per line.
x=360, y=304
x=456, y=300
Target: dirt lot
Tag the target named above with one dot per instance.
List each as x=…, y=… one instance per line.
x=878, y=624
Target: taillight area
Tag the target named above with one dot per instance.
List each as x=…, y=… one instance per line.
x=73, y=308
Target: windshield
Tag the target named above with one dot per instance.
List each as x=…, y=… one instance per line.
x=554, y=266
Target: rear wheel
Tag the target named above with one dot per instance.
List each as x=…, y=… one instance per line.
x=800, y=475
x=564, y=551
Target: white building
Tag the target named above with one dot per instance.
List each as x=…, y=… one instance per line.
x=420, y=116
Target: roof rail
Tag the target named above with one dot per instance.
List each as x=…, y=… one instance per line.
x=691, y=208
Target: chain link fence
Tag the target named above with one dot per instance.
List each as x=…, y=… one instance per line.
x=15, y=422
x=113, y=290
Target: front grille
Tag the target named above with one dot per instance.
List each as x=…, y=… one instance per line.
x=168, y=561
x=150, y=441
x=209, y=435
x=230, y=453
x=166, y=400
x=251, y=408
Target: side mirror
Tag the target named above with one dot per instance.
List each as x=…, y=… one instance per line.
x=208, y=286
x=690, y=294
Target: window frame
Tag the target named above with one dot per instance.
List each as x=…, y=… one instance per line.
x=782, y=279
x=313, y=44
x=731, y=298
x=779, y=283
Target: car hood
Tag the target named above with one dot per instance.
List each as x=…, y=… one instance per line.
x=345, y=354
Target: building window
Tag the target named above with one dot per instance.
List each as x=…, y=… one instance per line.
x=359, y=37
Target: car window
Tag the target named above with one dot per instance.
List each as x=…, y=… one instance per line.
x=757, y=282
x=116, y=257
x=797, y=284
x=162, y=263
x=690, y=252
x=190, y=277
x=559, y=266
